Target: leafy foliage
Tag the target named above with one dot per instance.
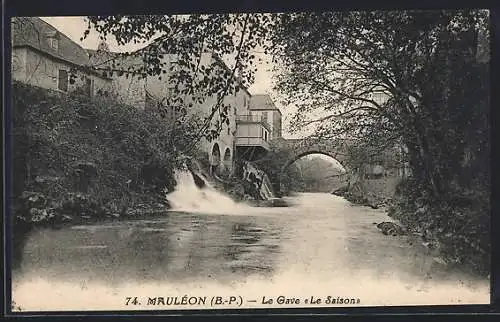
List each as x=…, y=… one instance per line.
x=188, y=38
x=460, y=222
x=130, y=150
x=420, y=64
x=400, y=77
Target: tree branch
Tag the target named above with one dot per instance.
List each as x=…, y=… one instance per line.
x=224, y=93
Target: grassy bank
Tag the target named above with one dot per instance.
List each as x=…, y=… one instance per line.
x=458, y=223
x=375, y=193
x=77, y=158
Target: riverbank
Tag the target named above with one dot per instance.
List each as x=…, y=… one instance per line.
x=460, y=241
x=78, y=159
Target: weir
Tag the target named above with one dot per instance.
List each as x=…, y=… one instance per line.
x=259, y=178
x=189, y=197
x=195, y=193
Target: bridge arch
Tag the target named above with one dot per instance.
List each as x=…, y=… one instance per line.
x=297, y=156
x=298, y=149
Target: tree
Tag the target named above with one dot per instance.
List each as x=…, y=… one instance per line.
x=433, y=99
x=231, y=36
x=315, y=174
x=420, y=64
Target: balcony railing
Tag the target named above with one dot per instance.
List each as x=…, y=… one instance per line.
x=253, y=119
x=252, y=141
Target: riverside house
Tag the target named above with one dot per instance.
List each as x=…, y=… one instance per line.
x=44, y=57
x=248, y=130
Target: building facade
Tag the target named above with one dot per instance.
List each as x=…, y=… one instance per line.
x=44, y=57
x=251, y=123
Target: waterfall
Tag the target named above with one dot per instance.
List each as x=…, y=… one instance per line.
x=265, y=191
x=188, y=197
x=267, y=187
x=195, y=193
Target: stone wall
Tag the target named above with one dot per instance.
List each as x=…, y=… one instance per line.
x=40, y=70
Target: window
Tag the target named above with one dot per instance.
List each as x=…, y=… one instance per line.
x=88, y=86
x=63, y=80
x=265, y=136
x=54, y=43
x=228, y=130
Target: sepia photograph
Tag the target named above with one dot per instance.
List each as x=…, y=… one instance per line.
x=332, y=159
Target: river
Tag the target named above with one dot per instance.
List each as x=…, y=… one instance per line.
x=321, y=246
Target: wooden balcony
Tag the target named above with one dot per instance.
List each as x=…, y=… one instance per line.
x=256, y=141
x=248, y=119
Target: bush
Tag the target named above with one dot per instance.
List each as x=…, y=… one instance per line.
x=459, y=221
x=115, y=155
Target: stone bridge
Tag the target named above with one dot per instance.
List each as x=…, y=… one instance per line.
x=386, y=160
x=297, y=148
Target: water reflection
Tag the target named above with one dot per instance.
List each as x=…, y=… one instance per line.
x=176, y=247
x=321, y=246
x=252, y=249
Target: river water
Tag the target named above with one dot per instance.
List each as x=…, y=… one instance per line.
x=208, y=246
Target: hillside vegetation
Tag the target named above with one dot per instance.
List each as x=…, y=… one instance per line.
x=76, y=157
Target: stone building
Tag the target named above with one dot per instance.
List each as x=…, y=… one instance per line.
x=156, y=93
x=44, y=57
x=252, y=120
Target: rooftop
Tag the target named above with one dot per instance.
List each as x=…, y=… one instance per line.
x=35, y=33
x=262, y=102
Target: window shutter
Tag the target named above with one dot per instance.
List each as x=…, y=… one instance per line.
x=63, y=80
x=88, y=86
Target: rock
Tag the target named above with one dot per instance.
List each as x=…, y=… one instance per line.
x=87, y=167
x=44, y=179
x=432, y=245
x=278, y=202
x=440, y=261
x=390, y=228
x=66, y=218
x=248, y=197
x=33, y=199
x=131, y=212
x=41, y=215
x=199, y=182
x=340, y=191
x=84, y=173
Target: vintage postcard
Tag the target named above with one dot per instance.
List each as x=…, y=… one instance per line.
x=242, y=161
